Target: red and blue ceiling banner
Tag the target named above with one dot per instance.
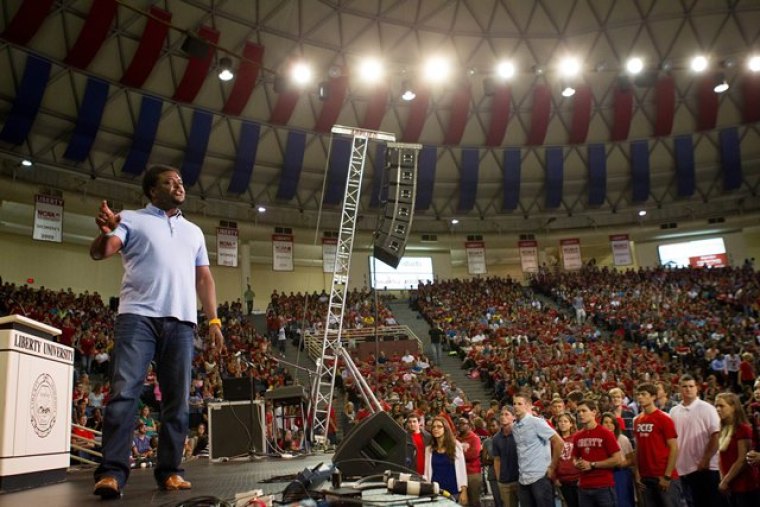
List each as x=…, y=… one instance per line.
x=730, y=158
x=149, y=48
x=379, y=193
x=597, y=174
x=468, y=178
x=426, y=165
x=337, y=170
x=640, y=170
x=93, y=34
x=337, y=88
x=751, y=96
x=418, y=108
x=539, y=116
x=511, y=167
x=197, y=68
x=581, y=115
x=378, y=103
x=247, y=146
x=27, y=21
x=292, y=165
x=245, y=78
x=144, y=135
x=460, y=108
x=622, y=112
x=500, y=107
x=26, y=105
x=555, y=169
x=665, y=100
x=88, y=120
x=197, y=143
x=683, y=146
x=707, y=103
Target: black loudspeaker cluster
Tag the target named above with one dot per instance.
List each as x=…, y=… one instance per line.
x=396, y=222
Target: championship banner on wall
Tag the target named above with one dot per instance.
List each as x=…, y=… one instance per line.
x=571, y=254
x=329, y=251
x=621, y=250
x=227, y=246
x=48, y=218
x=282, y=252
x=476, y=257
x=528, y=255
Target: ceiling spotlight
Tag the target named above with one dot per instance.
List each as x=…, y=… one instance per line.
x=334, y=72
x=26, y=162
x=261, y=209
x=721, y=85
x=472, y=71
x=300, y=73
x=634, y=65
x=698, y=63
x=437, y=69
x=666, y=65
x=754, y=63
x=570, y=67
x=407, y=92
x=225, y=69
x=505, y=70
x=642, y=213
x=568, y=91
x=371, y=70
x=454, y=221
x=538, y=69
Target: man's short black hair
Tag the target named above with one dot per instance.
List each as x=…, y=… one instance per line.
x=150, y=178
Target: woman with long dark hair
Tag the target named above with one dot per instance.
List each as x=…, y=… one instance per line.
x=567, y=473
x=444, y=460
x=623, y=474
x=738, y=480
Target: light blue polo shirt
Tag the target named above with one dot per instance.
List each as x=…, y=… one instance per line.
x=534, y=453
x=159, y=254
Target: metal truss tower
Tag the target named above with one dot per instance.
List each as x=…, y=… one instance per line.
x=333, y=353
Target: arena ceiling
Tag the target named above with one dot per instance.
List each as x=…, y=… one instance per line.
x=532, y=119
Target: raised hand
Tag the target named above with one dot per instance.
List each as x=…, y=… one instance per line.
x=107, y=220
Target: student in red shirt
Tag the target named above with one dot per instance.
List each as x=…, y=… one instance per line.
x=596, y=453
x=472, y=446
x=421, y=439
x=738, y=480
x=656, y=451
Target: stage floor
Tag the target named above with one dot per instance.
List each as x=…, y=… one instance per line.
x=222, y=480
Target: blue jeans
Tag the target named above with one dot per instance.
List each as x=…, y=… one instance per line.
x=537, y=494
x=436, y=347
x=139, y=340
x=598, y=497
x=654, y=497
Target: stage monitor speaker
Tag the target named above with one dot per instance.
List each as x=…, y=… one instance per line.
x=396, y=223
x=288, y=395
x=375, y=445
x=230, y=430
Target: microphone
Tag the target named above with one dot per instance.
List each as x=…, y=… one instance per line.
x=413, y=488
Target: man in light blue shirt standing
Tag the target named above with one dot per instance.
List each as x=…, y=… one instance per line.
x=165, y=265
x=538, y=451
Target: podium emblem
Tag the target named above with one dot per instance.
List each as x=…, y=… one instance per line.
x=44, y=405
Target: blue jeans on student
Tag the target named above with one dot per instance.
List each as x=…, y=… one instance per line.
x=598, y=497
x=537, y=494
x=654, y=497
x=139, y=340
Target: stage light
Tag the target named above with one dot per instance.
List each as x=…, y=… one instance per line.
x=642, y=213
x=454, y=221
x=437, y=69
x=568, y=91
x=698, y=63
x=721, y=85
x=370, y=70
x=634, y=65
x=570, y=67
x=261, y=209
x=407, y=92
x=225, y=69
x=300, y=73
x=26, y=162
x=754, y=63
x=505, y=70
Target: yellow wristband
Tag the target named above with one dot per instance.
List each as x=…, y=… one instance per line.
x=217, y=322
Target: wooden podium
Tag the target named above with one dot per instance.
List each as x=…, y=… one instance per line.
x=36, y=376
